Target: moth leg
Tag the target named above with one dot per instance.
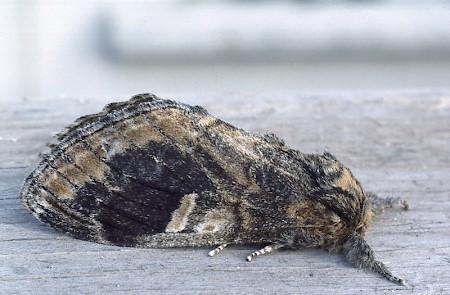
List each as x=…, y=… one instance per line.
x=266, y=249
x=217, y=250
x=379, y=204
x=358, y=252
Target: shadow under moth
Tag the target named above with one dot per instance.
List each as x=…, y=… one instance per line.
x=157, y=173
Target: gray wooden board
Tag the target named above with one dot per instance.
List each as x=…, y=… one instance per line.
x=397, y=144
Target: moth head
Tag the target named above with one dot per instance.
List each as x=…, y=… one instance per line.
x=349, y=199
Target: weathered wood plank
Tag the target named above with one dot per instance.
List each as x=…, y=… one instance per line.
x=396, y=144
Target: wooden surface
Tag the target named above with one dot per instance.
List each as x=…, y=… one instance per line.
x=397, y=144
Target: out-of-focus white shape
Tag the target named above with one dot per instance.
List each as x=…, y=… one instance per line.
x=10, y=51
x=244, y=30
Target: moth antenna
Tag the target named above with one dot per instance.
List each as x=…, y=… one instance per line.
x=217, y=250
x=265, y=250
x=359, y=253
x=380, y=204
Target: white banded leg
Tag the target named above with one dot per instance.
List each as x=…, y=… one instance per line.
x=217, y=250
x=266, y=249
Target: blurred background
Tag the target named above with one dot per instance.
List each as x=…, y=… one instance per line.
x=100, y=48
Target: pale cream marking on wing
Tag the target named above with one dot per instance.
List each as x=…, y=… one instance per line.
x=206, y=121
x=176, y=125
x=88, y=162
x=139, y=132
x=220, y=220
x=56, y=184
x=108, y=142
x=71, y=172
x=180, y=215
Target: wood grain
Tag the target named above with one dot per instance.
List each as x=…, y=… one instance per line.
x=397, y=144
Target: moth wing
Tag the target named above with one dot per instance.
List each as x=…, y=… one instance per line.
x=124, y=175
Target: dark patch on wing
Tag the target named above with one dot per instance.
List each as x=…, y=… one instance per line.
x=144, y=187
x=162, y=167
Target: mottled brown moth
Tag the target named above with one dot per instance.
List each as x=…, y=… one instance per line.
x=157, y=173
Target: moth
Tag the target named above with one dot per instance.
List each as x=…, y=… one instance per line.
x=157, y=173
